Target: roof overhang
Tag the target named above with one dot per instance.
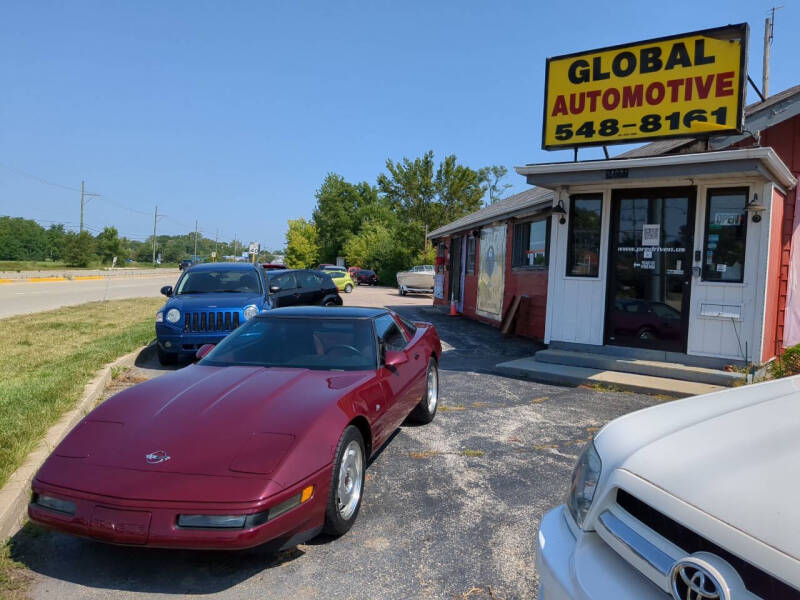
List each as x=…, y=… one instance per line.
x=762, y=162
x=539, y=208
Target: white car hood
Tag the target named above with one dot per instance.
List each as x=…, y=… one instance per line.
x=733, y=454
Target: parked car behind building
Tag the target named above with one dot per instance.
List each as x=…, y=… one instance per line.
x=366, y=277
x=342, y=279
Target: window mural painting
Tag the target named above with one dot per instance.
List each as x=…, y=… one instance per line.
x=492, y=272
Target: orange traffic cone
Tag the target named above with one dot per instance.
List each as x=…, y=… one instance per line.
x=453, y=311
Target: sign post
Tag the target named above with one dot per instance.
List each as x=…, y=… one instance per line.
x=677, y=86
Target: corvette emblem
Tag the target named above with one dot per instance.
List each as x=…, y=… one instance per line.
x=156, y=457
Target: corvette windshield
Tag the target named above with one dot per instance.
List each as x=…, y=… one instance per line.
x=306, y=343
x=219, y=282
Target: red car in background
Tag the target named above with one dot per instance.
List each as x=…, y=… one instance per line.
x=366, y=277
x=267, y=438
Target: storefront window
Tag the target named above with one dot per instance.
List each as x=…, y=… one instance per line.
x=726, y=232
x=471, y=255
x=583, y=238
x=531, y=244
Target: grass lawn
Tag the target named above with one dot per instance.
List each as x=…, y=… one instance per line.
x=48, y=357
x=47, y=265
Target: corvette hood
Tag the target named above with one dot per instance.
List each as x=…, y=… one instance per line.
x=736, y=464
x=224, y=421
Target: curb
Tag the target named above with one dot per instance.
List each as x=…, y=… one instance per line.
x=15, y=494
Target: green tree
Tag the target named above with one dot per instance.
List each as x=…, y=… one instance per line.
x=79, y=249
x=494, y=176
x=108, y=245
x=302, y=245
x=21, y=239
x=427, y=196
x=375, y=247
x=56, y=238
x=341, y=208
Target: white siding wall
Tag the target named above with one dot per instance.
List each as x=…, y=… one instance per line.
x=576, y=305
x=726, y=337
x=577, y=312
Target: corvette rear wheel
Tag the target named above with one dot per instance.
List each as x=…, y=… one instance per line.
x=348, y=288
x=347, y=483
x=426, y=409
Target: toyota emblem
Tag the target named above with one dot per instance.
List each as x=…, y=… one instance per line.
x=156, y=457
x=691, y=581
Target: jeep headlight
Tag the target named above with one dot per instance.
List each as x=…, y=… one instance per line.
x=584, y=483
x=173, y=315
x=250, y=312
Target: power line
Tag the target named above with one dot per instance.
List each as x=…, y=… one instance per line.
x=39, y=179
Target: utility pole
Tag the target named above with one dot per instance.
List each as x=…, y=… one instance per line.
x=235, y=248
x=216, y=245
x=769, y=29
x=195, y=240
x=155, y=221
x=84, y=196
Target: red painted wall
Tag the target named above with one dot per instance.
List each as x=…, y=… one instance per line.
x=769, y=345
x=784, y=138
x=524, y=282
x=531, y=316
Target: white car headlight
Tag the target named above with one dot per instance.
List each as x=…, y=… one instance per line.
x=173, y=315
x=159, y=317
x=250, y=312
x=584, y=483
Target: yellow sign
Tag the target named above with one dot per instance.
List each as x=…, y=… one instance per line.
x=684, y=85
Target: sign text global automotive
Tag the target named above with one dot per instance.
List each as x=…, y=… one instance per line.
x=689, y=84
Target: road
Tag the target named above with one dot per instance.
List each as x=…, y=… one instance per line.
x=27, y=297
x=450, y=509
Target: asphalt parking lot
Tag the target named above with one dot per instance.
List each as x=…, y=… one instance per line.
x=450, y=508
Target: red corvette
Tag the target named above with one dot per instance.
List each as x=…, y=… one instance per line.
x=267, y=438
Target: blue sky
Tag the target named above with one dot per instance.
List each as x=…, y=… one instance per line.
x=232, y=113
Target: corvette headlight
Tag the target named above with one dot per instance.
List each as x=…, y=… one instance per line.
x=159, y=317
x=584, y=483
x=250, y=312
x=173, y=315
x=245, y=521
x=57, y=504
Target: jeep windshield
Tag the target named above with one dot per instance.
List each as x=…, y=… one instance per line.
x=219, y=282
x=305, y=343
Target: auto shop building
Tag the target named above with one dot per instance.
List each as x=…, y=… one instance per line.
x=686, y=246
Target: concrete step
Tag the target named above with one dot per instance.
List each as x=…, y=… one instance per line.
x=544, y=372
x=653, y=368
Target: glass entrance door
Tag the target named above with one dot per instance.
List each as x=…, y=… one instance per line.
x=650, y=268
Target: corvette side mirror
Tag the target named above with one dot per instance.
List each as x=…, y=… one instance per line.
x=274, y=289
x=167, y=290
x=393, y=358
x=203, y=350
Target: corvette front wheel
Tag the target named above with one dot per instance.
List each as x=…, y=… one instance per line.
x=347, y=483
x=426, y=409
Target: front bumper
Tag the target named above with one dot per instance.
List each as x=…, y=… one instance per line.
x=155, y=524
x=178, y=342
x=584, y=567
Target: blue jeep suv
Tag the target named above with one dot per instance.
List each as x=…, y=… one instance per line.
x=208, y=302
